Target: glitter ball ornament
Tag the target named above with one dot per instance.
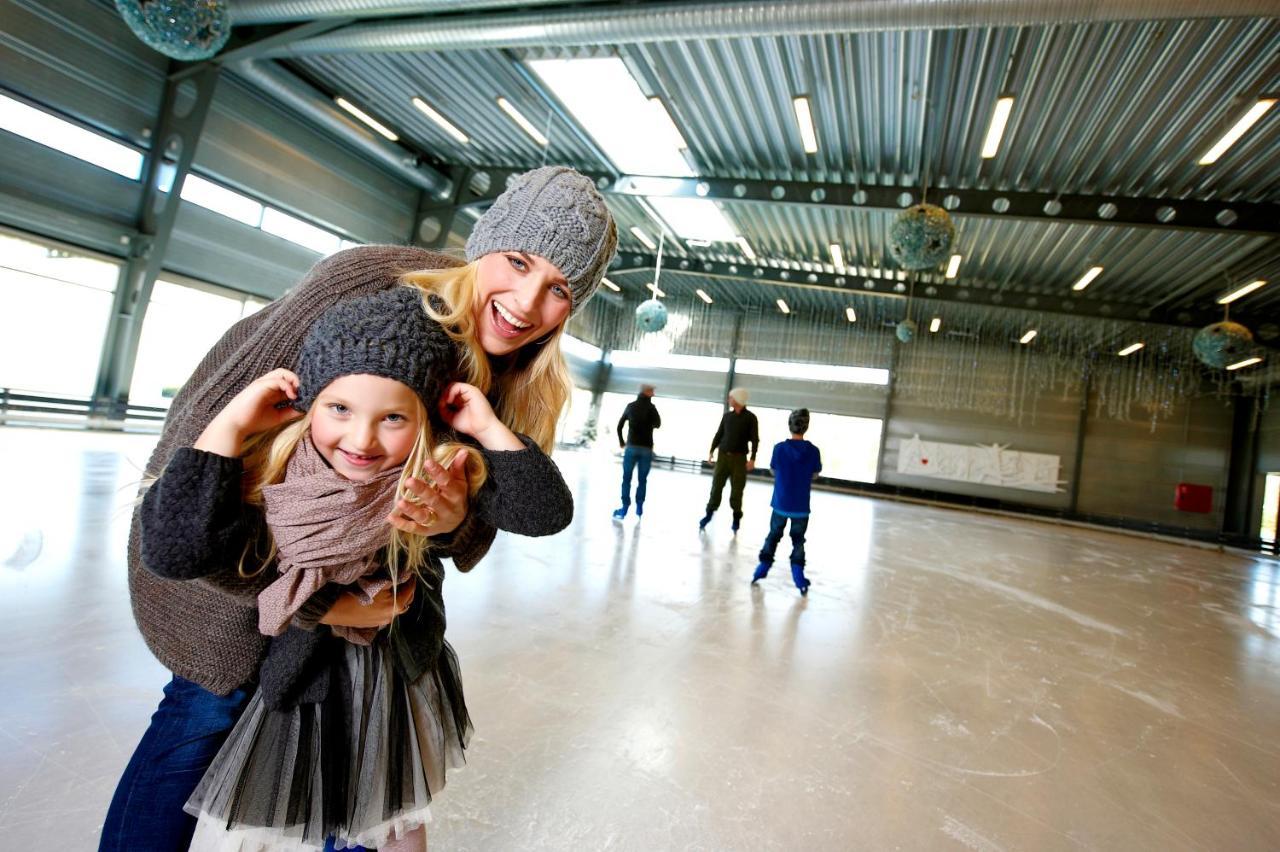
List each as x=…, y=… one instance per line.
x=651, y=315
x=190, y=30
x=921, y=236
x=1222, y=343
x=906, y=330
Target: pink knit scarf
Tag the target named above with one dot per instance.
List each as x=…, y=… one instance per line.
x=327, y=529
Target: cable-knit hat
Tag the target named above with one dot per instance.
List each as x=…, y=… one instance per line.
x=798, y=421
x=739, y=395
x=385, y=334
x=555, y=213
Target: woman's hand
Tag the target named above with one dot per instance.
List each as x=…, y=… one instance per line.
x=262, y=405
x=438, y=506
x=466, y=410
x=350, y=611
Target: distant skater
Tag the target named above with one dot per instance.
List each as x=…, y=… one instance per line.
x=795, y=463
x=739, y=432
x=637, y=449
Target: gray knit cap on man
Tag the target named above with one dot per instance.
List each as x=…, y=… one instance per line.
x=558, y=214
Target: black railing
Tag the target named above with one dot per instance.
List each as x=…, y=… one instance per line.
x=31, y=408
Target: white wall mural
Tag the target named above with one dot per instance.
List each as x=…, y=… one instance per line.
x=986, y=464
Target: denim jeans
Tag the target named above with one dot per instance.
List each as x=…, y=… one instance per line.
x=776, y=525
x=186, y=732
x=632, y=458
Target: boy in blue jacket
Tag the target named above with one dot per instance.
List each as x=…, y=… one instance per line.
x=795, y=463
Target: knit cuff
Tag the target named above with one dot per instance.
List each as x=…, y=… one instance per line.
x=309, y=614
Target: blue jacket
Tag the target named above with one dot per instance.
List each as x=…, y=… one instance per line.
x=794, y=463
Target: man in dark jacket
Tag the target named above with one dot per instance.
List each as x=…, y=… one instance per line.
x=638, y=447
x=739, y=433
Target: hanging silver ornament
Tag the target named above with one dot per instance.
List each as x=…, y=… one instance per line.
x=921, y=236
x=651, y=315
x=1222, y=343
x=190, y=30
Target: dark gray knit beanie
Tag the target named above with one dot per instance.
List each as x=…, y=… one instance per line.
x=384, y=334
x=555, y=213
x=798, y=421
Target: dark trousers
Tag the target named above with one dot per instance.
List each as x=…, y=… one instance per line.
x=731, y=467
x=639, y=459
x=776, y=525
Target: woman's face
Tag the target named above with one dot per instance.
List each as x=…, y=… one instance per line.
x=521, y=297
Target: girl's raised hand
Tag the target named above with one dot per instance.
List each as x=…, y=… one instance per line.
x=264, y=404
x=466, y=410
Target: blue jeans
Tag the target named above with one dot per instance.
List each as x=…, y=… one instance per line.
x=776, y=524
x=186, y=732
x=633, y=457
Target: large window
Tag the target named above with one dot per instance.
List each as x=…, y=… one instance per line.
x=850, y=445
x=56, y=307
x=182, y=324
x=574, y=417
x=687, y=424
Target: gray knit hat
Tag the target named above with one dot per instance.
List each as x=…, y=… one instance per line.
x=798, y=421
x=555, y=213
x=385, y=334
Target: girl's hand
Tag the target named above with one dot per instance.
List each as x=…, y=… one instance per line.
x=262, y=405
x=350, y=611
x=439, y=505
x=466, y=410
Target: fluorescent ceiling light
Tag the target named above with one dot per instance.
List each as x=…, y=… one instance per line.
x=1237, y=130
x=644, y=238
x=953, y=266
x=1247, y=362
x=837, y=257
x=525, y=124
x=378, y=126
x=608, y=103
x=1028, y=337
x=61, y=135
x=654, y=288
x=1130, y=349
x=804, y=119
x=782, y=306
x=694, y=218
x=1243, y=291
x=812, y=372
x=445, y=124
x=697, y=243
x=999, y=118
x=853, y=316
x=614, y=287
x=1087, y=278
x=935, y=325
x=702, y=294
x=746, y=248
x=663, y=119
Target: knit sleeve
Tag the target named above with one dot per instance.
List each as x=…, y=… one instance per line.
x=194, y=522
x=525, y=493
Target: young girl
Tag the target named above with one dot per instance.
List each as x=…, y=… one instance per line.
x=351, y=731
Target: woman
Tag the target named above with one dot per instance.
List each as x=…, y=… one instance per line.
x=534, y=259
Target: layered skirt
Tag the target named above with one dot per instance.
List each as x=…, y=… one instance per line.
x=361, y=766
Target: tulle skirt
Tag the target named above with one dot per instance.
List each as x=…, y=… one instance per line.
x=361, y=766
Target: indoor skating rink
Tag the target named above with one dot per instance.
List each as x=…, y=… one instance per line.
x=952, y=681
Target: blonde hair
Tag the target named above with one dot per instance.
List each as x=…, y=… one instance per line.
x=266, y=461
x=533, y=389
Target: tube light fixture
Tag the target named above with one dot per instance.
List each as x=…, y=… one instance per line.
x=1247, y=362
x=1237, y=130
x=849, y=312
x=782, y=306
x=804, y=118
x=1087, y=278
x=381, y=129
x=1028, y=337
x=999, y=118
x=935, y=324
x=525, y=124
x=953, y=266
x=644, y=238
x=1243, y=291
x=657, y=294
x=614, y=287
x=443, y=123
x=702, y=294
x=837, y=258
x=746, y=247
x=1130, y=349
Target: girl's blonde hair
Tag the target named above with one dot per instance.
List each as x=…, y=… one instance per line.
x=533, y=389
x=266, y=460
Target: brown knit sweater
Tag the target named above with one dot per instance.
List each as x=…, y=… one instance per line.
x=207, y=630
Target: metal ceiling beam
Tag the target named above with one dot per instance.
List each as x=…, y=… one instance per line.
x=279, y=11
x=640, y=23
x=1069, y=304
x=1105, y=210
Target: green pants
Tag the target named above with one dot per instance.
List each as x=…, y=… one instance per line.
x=733, y=467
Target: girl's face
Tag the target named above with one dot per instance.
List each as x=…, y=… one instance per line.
x=364, y=424
x=521, y=297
